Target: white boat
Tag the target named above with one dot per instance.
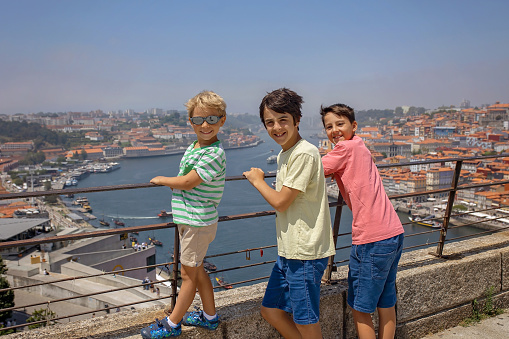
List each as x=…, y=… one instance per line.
x=164, y=276
x=272, y=159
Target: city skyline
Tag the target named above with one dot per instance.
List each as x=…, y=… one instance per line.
x=60, y=56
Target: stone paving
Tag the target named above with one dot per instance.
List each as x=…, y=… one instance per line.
x=492, y=328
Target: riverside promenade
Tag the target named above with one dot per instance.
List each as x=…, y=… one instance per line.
x=492, y=328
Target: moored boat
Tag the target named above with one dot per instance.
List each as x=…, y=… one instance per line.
x=208, y=266
x=104, y=222
x=426, y=221
x=155, y=242
x=164, y=214
x=223, y=284
x=118, y=222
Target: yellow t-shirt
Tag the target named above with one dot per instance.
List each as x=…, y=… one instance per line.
x=304, y=230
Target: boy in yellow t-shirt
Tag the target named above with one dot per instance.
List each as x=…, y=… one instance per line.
x=303, y=226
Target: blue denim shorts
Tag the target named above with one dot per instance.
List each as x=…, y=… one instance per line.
x=294, y=287
x=372, y=274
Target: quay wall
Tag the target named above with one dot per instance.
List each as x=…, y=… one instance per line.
x=433, y=294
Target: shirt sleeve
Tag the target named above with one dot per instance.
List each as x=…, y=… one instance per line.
x=335, y=160
x=211, y=164
x=301, y=172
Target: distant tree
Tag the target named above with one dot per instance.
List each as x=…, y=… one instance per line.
x=18, y=181
x=75, y=155
x=6, y=297
x=398, y=111
x=489, y=153
x=420, y=110
x=47, y=185
x=61, y=159
x=50, y=199
x=83, y=155
x=41, y=314
x=384, y=155
x=33, y=158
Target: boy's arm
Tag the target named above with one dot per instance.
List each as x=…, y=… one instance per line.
x=281, y=200
x=185, y=182
x=334, y=161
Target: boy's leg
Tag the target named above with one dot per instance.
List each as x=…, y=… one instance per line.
x=206, y=291
x=387, y=323
x=284, y=324
x=294, y=287
x=281, y=321
x=311, y=331
x=186, y=294
x=194, y=243
x=364, y=325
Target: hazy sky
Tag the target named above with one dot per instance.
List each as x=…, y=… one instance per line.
x=83, y=55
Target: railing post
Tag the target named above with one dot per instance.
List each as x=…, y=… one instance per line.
x=448, y=210
x=176, y=261
x=335, y=233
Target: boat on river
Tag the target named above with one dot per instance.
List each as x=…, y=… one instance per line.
x=208, y=266
x=272, y=159
x=223, y=284
x=426, y=221
x=118, y=222
x=103, y=222
x=155, y=242
x=164, y=214
x=162, y=278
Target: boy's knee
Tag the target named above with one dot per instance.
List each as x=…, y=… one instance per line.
x=265, y=312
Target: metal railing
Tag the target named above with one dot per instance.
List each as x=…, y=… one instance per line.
x=337, y=205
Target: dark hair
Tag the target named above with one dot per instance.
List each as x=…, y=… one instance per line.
x=282, y=100
x=341, y=110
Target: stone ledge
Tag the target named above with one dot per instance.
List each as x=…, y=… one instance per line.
x=453, y=284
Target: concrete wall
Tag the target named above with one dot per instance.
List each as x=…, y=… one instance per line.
x=433, y=293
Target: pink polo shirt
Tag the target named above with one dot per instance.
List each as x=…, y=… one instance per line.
x=359, y=182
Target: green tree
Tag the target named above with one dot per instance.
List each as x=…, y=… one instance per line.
x=50, y=199
x=6, y=297
x=41, y=314
x=83, y=155
x=459, y=207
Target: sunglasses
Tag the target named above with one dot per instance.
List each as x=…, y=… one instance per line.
x=211, y=120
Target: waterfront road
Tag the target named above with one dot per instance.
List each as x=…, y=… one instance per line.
x=492, y=328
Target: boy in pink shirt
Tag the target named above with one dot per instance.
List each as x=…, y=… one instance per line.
x=377, y=233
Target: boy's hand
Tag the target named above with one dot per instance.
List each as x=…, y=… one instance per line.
x=254, y=175
x=157, y=180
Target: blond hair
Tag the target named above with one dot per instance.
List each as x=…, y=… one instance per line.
x=206, y=99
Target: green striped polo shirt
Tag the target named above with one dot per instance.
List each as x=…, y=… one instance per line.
x=198, y=206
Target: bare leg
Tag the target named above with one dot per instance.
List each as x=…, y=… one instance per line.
x=364, y=325
x=206, y=291
x=281, y=321
x=387, y=326
x=311, y=331
x=190, y=280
